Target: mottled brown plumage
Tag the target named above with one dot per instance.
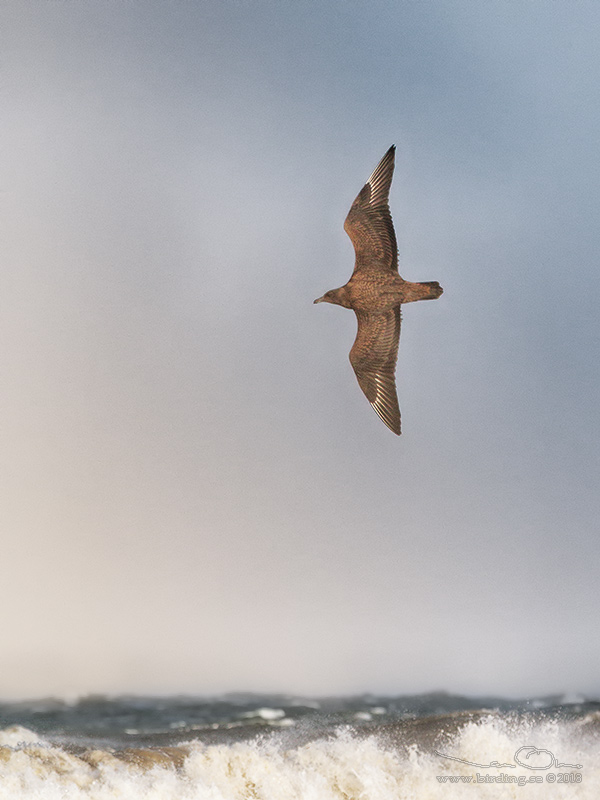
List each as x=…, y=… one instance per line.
x=376, y=291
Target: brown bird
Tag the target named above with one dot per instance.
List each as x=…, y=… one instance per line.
x=376, y=291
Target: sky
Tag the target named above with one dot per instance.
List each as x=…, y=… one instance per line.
x=195, y=494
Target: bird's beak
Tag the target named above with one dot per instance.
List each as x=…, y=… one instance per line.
x=319, y=299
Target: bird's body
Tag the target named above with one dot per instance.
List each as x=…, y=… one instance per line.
x=376, y=291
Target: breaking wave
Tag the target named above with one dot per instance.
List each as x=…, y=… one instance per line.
x=393, y=762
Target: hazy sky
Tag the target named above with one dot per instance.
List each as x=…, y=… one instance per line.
x=195, y=494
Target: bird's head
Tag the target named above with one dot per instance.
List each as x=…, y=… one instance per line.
x=338, y=297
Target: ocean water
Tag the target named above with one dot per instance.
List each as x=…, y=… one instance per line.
x=278, y=747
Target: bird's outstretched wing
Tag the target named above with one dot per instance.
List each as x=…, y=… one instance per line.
x=373, y=357
x=369, y=222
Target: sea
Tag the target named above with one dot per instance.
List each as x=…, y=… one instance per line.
x=283, y=747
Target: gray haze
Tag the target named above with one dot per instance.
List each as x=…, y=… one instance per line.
x=196, y=496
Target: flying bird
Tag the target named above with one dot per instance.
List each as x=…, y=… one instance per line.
x=375, y=292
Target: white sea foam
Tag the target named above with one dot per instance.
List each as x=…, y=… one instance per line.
x=268, y=714
x=346, y=767
x=17, y=735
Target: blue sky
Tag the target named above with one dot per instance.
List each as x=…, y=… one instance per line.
x=197, y=495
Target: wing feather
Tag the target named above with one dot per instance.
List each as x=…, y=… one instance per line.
x=369, y=222
x=373, y=358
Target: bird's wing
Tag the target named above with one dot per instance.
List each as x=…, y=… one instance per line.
x=369, y=222
x=373, y=357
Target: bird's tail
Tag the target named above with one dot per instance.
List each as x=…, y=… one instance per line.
x=432, y=290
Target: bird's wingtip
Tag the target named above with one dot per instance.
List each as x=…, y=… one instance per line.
x=390, y=153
